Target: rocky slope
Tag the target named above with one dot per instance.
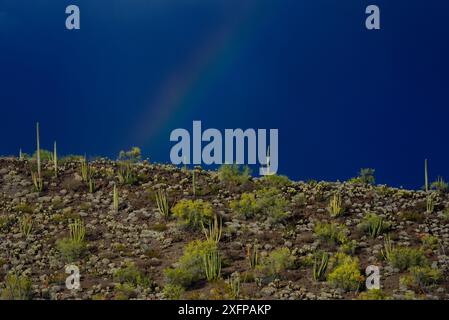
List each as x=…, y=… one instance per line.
x=285, y=228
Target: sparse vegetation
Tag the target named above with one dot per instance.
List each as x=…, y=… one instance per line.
x=345, y=273
x=192, y=213
x=233, y=174
x=17, y=288
x=374, y=225
x=335, y=207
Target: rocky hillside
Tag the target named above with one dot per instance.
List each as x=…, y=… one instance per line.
x=150, y=231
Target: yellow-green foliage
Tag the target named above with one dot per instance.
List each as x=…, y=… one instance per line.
x=191, y=213
x=26, y=225
x=278, y=261
x=345, y=272
x=131, y=275
x=421, y=277
x=246, y=207
x=232, y=174
x=430, y=242
x=331, y=232
x=173, y=292
x=214, y=230
x=190, y=267
x=74, y=246
x=335, y=207
x=373, y=225
x=266, y=203
x=212, y=265
x=374, y=294
x=17, y=288
x=133, y=155
x=275, y=181
x=404, y=258
x=271, y=204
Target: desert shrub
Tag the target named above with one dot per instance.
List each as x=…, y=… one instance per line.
x=70, y=250
x=72, y=247
x=132, y=275
x=45, y=155
x=126, y=173
x=6, y=222
x=133, y=155
x=192, y=213
x=233, y=174
x=246, y=207
x=271, y=204
x=421, y=277
x=24, y=208
x=348, y=246
x=345, y=272
x=300, y=199
x=190, y=267
x=278, y=261
x=374, y=294
x=266, y=203
x=331, y=232
x=430, y=242
x=366, y=176
x=70, y=158
x=275, y=181
x=173, y=292
x=124, y=291
x=17, y=288
x=404, y=258
x=412, y=215
x=440, y=185
x=373, y=225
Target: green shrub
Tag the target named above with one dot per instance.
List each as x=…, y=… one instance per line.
x=412, y=215
x=373, y=225
x=278, y=261
x=300, y=199
x=133, y=155
x=71, y=250
x=192, y=213
x=45, y=155
x=6, y=222
x=130, y=274
x=404, y=258
x=430, y=242
x=17, y=288
x=124, y=291
x=366, y=176
x=233, y=174
x=190, y=267
x=345, y=273
x=440, y=185
x=246, y=207
x=173, y=292
x=272, y=205
x=266, y=203
x=421, y=277
x=331, y=232
x=374, y=294
x=275, y=181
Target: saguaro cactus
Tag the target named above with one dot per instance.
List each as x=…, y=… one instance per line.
x=55, y=159
x=426, y=176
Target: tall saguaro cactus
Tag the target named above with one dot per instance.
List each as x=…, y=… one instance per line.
x=55, y=159
x=38, y=152
x=426, y=176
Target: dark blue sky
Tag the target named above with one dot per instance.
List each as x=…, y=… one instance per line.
x=342, y=97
